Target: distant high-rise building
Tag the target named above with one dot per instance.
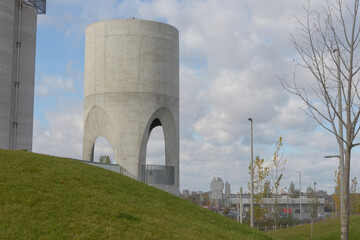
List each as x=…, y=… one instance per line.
x=18, y=20
x=216, y=194
x=185, y=193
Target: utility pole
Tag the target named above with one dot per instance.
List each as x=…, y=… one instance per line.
x=237, y=208
x=252, y=177
x=340, y=180
x=241, y=206
x=287, y=206
x=300, y=190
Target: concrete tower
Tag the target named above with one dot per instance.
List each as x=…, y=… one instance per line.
x=18, y=20
x=131, y=85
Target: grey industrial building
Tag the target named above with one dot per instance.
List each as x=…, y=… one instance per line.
x=291, y=205
x=18, y=20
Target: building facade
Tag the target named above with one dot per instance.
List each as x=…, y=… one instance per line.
x=287, y=205
x=18, y=20
x=216, y=193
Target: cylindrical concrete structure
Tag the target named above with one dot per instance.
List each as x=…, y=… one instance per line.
x=17, y=69
x=131, y=85
x=7, y=9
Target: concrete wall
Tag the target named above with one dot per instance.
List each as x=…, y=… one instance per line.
x=131, y=85
x=7, y=8
x=111, y=167
x=9, y=62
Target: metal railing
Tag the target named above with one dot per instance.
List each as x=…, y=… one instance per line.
x=157, y=174
x=112, y=167
x=39, y=4
x=150, y=174
x=126, y=173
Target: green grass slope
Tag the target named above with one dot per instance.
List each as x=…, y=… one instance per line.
x=326, y=230
x=43, y=197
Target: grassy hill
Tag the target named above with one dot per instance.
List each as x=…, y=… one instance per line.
x=44, y=197
x=326, y=230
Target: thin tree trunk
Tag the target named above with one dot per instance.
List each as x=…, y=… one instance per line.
x=346, y=214
x=275, y=223
x=312, y=221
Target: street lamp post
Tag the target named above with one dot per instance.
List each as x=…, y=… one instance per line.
x=300, y=190
x=241, y=206
x=341, y=195
x=252, y=178
x=238, y=207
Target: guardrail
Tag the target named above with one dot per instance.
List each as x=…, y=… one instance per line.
x=126, y=173
x=157, y=174
x=150, y=174
x=112, y=167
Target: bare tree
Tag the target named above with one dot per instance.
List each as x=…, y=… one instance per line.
x=313, y=205
x=328, y=46
x=291, y=190
x=260, y=172
x=354, y=197
x=277, y=167
x=104, y=159
x=353, y=185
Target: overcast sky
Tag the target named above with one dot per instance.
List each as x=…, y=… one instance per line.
x=232, y=53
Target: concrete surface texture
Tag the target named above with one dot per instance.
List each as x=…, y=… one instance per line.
x=17, y=73
x=131, y=85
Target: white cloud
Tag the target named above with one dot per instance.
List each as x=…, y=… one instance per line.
x=62, y=136
x=41, y=90
x=231, y=53
x=58, y=83
x=49, y=84
x=103, y=148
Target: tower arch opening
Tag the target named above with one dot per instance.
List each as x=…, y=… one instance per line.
x=155, y=150
x=103, y=149
x=160, y=170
